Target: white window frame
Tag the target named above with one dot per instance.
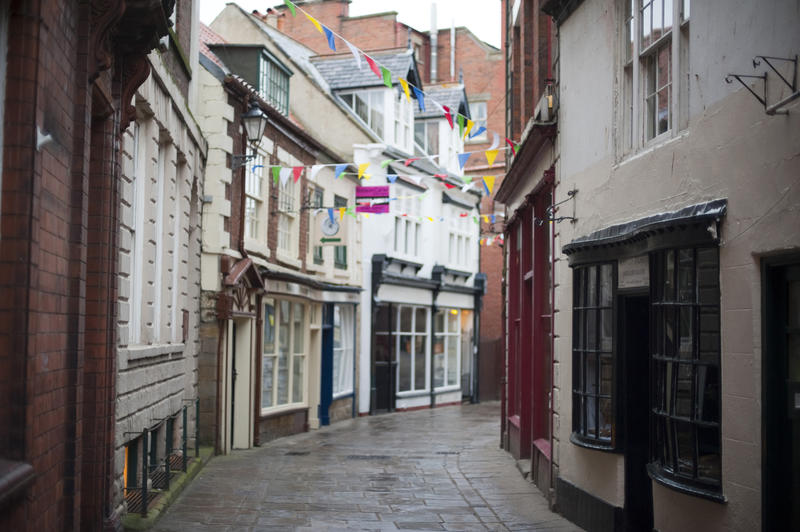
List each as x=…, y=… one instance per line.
x=316, y=196
x=426, y=148
x=372, y=99
x=273, y=83
x=479, y=119
x=287, y=217
x=459, y=249
x=402, y=121
x=295, y=355
x=398, y=334
x=447, y=336
x=139, y=185
x=407, y=231
x=254, y=179
x=344, y=320
x=158, y=272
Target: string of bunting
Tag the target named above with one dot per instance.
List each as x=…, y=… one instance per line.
x=465, y=124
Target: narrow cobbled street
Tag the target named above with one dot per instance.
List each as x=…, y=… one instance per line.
x=426, y=470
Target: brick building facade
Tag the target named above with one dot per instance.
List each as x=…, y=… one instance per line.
x=70, y=74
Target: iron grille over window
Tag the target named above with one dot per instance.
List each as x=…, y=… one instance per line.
x=593, y=419
x=685, y=368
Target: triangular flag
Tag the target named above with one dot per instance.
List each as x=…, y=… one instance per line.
x=486, y=217
x=276, y=173
x=386, y=163
x=466, y=179
x=482, y=241
x=367, y=176
x=291, y=7
x=495, y=142
x=513, y=146
x=387, y=76
x=488, y=184
x=297, y=171
x=361, y=169
x=339, y=169
x=285, y=175
x=477, y=132
x=330, y=215
x=440, y=176
x=416, y=179
x=429, y=218
x=316, y=170
x=448, y=185
x=355, y=52
x=411, y=160
x=315, y=22
x=494, y=218
x=448, y=115
x=391, y=178
x=341, y=213
x=329, y=35
x=420, y=96
x=462, y=159
x=373, y=66
x=491, y=155
x=404, y=84
x=475, y=219
x=460, y=120
x=470, y=123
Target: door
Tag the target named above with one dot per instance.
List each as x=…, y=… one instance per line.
x=384, y=363
x=326, y=371
x=239, y=413
x=635, y=355
x=781, y=389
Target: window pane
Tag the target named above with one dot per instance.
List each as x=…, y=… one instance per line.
x=361, y=107
x=606, y=285
x=669, y=332
x=664, y=109
x=433, y=138
x=404, y=364
x=708, y=393
x=283, y=352
x=708, y=451
x=658, y=20
x=438, y=361
x=405, y=318
x=591, y=374
x=668, y=382
x=669, y=275
x=606, y=419
x=709, y=334
x=683, y=397
x=646, y=27
x=452, y=361
x=419, y=362
x=591, y=416
x=580, y=329
x=419, y=134
x=591, y=286
x=269, y=326
x=685, y=454
x=439, y=321
x=606, y=330
x=686, y=276
x=685, y=345
x=667, y=16
x=337, y=328
x=267, y=374
x=347, y=99
x=708, y=275
x=421, y=322
x=606, y=374
x=452, y=321
x=297, y=378
x=299, y=330
x=591, y=329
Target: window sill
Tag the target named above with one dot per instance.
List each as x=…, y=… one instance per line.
x=596, y=445
x=14, y=478
x=343, y=395
x=414, y=393
x=139, y=352
x=656, y=474
x=285, y=258
x=447, y=389
x=283, y=410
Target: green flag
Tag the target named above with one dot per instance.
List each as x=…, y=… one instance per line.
x=291, y=7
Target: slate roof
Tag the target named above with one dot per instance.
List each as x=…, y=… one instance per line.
x=342, y=72
x=451, y=95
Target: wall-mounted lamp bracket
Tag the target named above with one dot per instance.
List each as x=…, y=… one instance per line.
x=738, y=77
x=551, y=211
x=240, y=160
x=767, y=59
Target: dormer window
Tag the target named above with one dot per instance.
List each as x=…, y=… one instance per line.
x=368, y=106
x=273, y=83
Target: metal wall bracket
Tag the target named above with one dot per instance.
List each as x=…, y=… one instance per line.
x=775, y=108
x=550, y=212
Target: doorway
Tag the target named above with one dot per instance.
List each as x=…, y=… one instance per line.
x=240, y=385
x=634, y=348
x=384, y=363
x=781, y=396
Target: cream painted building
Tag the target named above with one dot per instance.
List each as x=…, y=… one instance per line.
x=677, y=369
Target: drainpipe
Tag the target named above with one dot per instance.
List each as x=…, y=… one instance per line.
x=551, y=491
x=437, y=274
x=453, y=50
x=355, y=340
x=434, y=45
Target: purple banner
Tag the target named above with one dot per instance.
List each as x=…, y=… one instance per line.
x=380, y=208
x=372, y=192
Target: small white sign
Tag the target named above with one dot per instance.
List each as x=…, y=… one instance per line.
x=634, y=273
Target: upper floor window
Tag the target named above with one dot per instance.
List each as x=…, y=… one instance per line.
x=460, y=242
x=368, y=106
x=402, y=121
x=252, y=191
x=477, y=111
x=286, y=217
x=426, y=137
x=407, y=227
x=273, y=83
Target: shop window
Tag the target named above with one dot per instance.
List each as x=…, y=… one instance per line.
x=593, y=419
x=343, y=352
x=411, y=335
x=685, y=368
x=446, y=348
x=283, y=361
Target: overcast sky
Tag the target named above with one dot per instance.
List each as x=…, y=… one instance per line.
x=482, y=17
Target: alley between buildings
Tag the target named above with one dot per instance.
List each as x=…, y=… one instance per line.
x=436, y=469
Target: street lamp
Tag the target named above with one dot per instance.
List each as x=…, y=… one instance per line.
x=255, y=122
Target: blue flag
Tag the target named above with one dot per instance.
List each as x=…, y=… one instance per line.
x=391, y=178
x=339, y=169
x=329, y=35
x=420, y=96
x=330, y=215
x=462, y=159
x=478, y=132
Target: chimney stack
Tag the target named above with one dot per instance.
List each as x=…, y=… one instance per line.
x=434, y=44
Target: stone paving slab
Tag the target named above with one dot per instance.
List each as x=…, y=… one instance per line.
x=435, y=469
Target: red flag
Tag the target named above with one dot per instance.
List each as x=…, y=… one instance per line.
x=448, y=116
x=511, y=144
x=440, y=176
x=297, y=170
x=411, y=160
x=373, y=66
x=448, y=185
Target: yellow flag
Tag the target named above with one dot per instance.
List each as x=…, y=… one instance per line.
x=315, y=22
x=429, y=218
x=491, y=155
x=488, y=182
x=361, y=169
x=467, y=129
x=404, y=83
x=486, y=218
x=341, y=213
x=366, y=215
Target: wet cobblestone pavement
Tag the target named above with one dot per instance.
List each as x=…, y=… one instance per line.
x=435, y=469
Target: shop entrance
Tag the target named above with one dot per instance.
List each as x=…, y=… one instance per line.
x=635, y=356
x=384, y=362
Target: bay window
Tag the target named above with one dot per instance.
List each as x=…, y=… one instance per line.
x=273, y=83
x=283, y=356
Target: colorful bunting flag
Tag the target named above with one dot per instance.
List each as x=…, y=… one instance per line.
x=477, y=132
x=387, y=76
x=341, y=213
x=316, y=170
x=486, y=218
x=286, y=174
x=315, y=22
x=460, y=120
x=355, y=52
x=391, y=178
x=440, y=176
x=386, y=163
x=495, y=142
x=488, y=184
x=361, y=169
x=373, y=66
x=470, y=124
x=462, y=159
x=410, y=160
x=329, y=35
x=494, y=218
x=448, y=115
x=330, y=215
x=475, y=219
x=404, y=84
x=291, y=7
x=512, y=145
x=297, y=171
x=420, y=96
x=449, y=186
x=276, y=174
x=339, y=169
x=491, y=155
x=429, y=218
